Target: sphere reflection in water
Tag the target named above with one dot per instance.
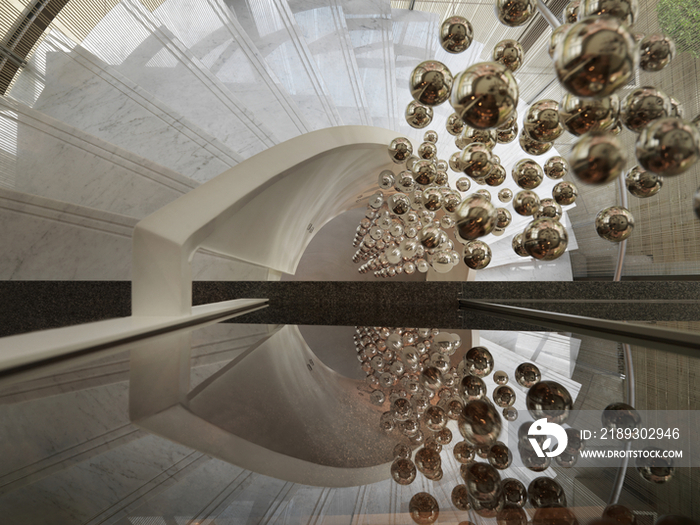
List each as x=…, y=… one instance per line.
x=581, y=115
x=424, y=509
x=417, y=115
x=456, y=34
x=668, y=146
x=509, y=53
x=480, y=424
x=656, y=52
x=477, y=255
x=565, y=193
x=596, y=58
x=514, y=13
x=545, y=239
x=430, y=83
x=460, y=498
x=485, y=95
x=597, y=158
x=614, y=224
x=550, y=400
x=655, y=469
x=403, y=471
x=642, y=183
x=546, y=492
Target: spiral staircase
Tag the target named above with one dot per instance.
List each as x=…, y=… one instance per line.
x=109, y=123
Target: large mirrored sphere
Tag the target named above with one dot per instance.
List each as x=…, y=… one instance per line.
x=550, y=400
x=483, y=481
x=403, y=471
x=624, y=10
x=454, y=124
x=655, y=469
x=668, y=146
x=548, y=209
x=557, y=37
x=476, y=160
x=542, y=122
x=485, y=136
x=620, y=416
x=514, y=13
x=509, y=53
x=596, y=58
x=518, y=247
x=546, y=492
x=485, y=95
x=571, y=12
x=400, y=150
x=556, y=167
x=476, y=217
x=565, y=193
x=581, y=115
x=507, y=135
x=497, y=176
x=643, y=105
x=480, y=424
x=430, y=83
x=456, y=34
x=424, y=509
x=532, y=147
x=504, y=396
x=545, y=239
x=417, y=115
x=477, y=255
x=597, y=158
x=527, y=375
x=527, y=174
x=514, y=492
x=656, y=52
x=526, y=203
x=478, y=361
x=472, y=388
x=614, y=224
x=460, y=498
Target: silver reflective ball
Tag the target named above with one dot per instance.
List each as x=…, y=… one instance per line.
x=642, y=106
x=668, y=146
x=386, y=179
x=527, y=174
x=642, y=183
x=507, y=135
x=624, y=10
x=597, y=158
x=514, y=13
x=581, y=115
x=596, y=58
x=477, y=255
x=456, y=34
x=545, y=239
x=526, y=203
x=565, y=193
x=497, y=176
x=509, y=53
x=476, y=160
x=476, y=217
x=549, y=208
x=550, y=400
x=557, y=37
x=427, y=151
x=485, y=95
x=614, y=224
x=417, y=115
x=463, y=184
x=487, y=137
x=532, y=147
x=571, y=12
x=542, y=122
x=430, y=83
x=400, y=150
x=518, y=247
x=656, y=52
x=454, y=124
x=505, y=195
x=556, y=167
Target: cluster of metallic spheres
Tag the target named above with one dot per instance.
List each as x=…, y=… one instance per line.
x=411, y=371
x=594, y=54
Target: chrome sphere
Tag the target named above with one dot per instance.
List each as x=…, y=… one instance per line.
x=450, y=202
x=430, y=83
x=527, y=174
x=478, y=361
x=472, y=388
x=656, y=52
x=514, y=491
x=476, y=160
x=527, y=375
x=571, y=12
x=565, y=193
x=400, y=150
x=477, y=255
x=624, y=10
x=596, y=57
x=526, y=203
x=620, y=416
x=518, y=247
x=476, y=217
x=480, y=424
x=507, y=135
x=454, y=124
x=549, y=209
x=455, y=163
x=542, y=123
x=504, y=396
x=509, y=53
x=655, y=469
x=642, y=183
x=514, y=13
x=503, y=220
x=581, y=115
x=417, y=115
x=597, y=158
x=500, y=455
x=386, y=179
x=557, y=37
x=550, y=400
x=505, y=195
x=403, y=471
x=463, y=184
x=424, y=509
x=676, y=108
x=545, y=239
x=487, y=137
x=497, y=176
x=545, y=492
x=456, y=34
x=432, y=198
x=424, y=172
x=460, y=498
x=614, y=224
x=556, y=167
x=668, y=146
x=485, y=193
x=485, y=95
x=427, y=151
x=399, y=204
x=642, y=106
x=532, y=147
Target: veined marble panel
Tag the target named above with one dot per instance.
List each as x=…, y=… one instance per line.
x=370, y=29
x=271, y=26
x=322, y=23
x=76, y=87
x=55, y=160
x=164, y=67
x=212, y=34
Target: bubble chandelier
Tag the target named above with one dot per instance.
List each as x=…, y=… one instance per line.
x=417, y=221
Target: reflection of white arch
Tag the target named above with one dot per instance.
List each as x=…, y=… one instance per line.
x=264, y=211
